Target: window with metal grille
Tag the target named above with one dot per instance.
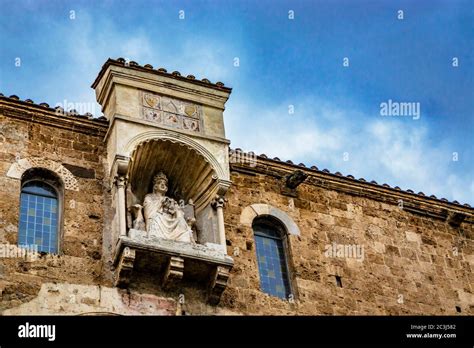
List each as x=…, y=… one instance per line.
x=270, y=245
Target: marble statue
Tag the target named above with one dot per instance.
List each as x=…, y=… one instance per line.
x=163, y=216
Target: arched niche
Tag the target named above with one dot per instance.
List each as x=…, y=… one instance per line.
x=190, y=174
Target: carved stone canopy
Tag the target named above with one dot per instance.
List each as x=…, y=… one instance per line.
x=190, y=176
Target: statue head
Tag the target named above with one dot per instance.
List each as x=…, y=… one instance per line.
x=160, y=183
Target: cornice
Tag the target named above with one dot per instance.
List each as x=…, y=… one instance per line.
x=27, y=110
x=413, y=202
x=121, y=62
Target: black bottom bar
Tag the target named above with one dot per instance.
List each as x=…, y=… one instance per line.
x=223, y=331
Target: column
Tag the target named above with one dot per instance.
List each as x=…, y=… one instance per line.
x=218, y=204
x=120, y=181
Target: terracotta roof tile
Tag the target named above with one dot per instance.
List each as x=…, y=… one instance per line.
x=161, y=71
x=58, y=110
x=351, y=177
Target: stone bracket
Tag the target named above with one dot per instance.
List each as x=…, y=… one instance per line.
x=180, y=261
x=218, y=283
x=295, y=179
x=291, y=183
x=455, y=219
x=174, y=272
x=125, y=267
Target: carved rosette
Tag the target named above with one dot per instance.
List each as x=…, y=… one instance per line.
x=172, y=113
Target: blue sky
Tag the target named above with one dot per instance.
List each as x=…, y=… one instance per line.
x=336, y=122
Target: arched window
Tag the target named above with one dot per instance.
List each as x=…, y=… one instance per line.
x=39, y=212
x=270, y=242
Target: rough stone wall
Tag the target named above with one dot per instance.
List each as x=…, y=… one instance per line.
x=75, y=299
x=412, y=264
x=81, y=247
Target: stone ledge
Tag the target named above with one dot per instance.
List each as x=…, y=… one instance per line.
x=207, y=253
x=172, y=262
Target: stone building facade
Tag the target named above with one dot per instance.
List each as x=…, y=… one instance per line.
x=262, y=236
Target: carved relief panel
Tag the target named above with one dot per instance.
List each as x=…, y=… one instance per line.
x=172, y=113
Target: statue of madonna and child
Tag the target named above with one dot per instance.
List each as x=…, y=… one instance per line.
x=163, y=216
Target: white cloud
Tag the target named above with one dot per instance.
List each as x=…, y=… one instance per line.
x=397, y=152
x=88, y=43
x=391, y=151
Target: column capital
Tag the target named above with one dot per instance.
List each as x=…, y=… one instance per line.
x=218, y=202
x=120, y=165
x=120, y=181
